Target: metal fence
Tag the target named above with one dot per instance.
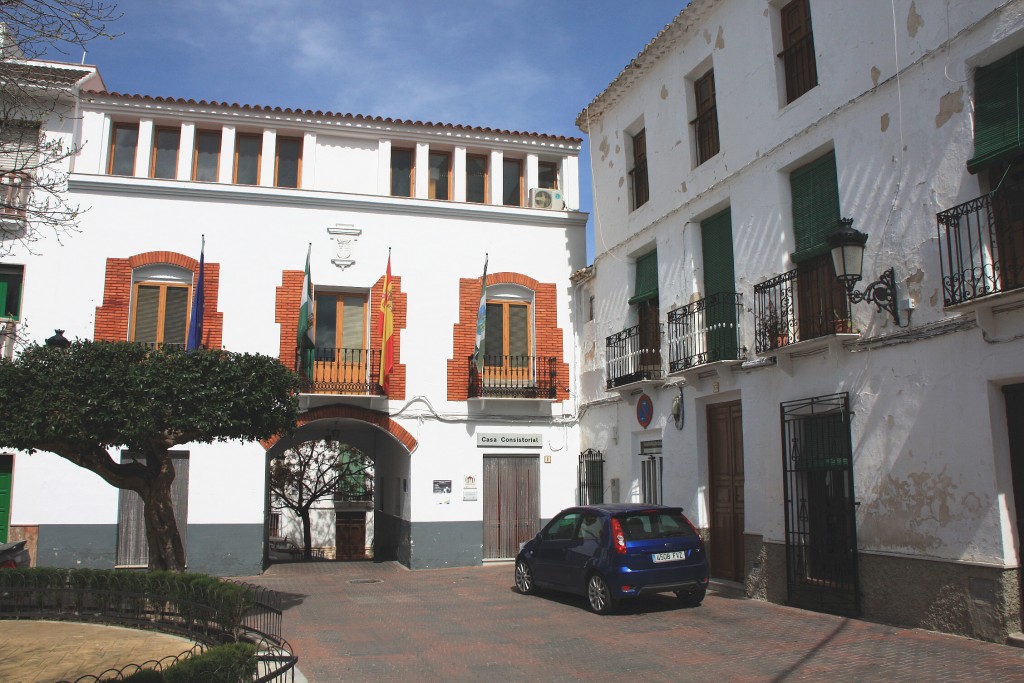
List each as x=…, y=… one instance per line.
x=202, y=611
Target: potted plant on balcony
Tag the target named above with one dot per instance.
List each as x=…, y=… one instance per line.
x=774, y=327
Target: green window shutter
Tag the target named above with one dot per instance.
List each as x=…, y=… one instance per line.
x=716, y=247
x=10, y=291
x=646, y=278
x=815, y=190
x=997, y=111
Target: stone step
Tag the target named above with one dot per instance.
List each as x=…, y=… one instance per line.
x=1016, y=639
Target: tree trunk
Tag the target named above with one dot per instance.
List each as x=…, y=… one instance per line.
x=307, y=535
x=166, y=551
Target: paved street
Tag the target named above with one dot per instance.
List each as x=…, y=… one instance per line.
x=379, y=622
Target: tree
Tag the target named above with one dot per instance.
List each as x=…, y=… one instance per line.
x=35, y=98
x=82, y=401
x=315, y=470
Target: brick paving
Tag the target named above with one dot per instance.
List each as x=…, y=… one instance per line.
x=370, y=621
x=48, y=651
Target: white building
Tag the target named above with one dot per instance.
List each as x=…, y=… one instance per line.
x=839, y=455
x=466, y=465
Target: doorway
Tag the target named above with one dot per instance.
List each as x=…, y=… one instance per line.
x=725, y=484
x=511, y=504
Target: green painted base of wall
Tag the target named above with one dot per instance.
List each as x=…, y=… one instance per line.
x=217, y=549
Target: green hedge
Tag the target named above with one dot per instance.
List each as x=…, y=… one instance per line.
x=197, y=597
x=231, y=663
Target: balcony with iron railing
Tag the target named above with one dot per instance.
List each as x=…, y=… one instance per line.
x=805, y=303
x=706, y=331
x=634, y=355
x=339, y=371
x=530, y=377
x=981, y=249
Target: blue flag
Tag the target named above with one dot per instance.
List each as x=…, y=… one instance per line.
x=195, y=322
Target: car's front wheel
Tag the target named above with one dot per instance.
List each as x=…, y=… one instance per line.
x=599, y=595
x=691, y=597
x=524, y=578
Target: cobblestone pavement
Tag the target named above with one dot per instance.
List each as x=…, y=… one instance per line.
x=47, y=651
x=369, y=621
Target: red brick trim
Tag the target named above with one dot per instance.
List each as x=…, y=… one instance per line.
x=112, y=316
x=286, y=313
x=548, y=342
x=396, y=390
x=356, y=413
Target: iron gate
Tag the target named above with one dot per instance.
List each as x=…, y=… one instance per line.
x=821, y=529
x=591, y=477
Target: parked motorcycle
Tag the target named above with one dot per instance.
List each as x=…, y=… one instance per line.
x=13, y=555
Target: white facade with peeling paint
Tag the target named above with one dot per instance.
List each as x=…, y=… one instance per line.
x=930, y=410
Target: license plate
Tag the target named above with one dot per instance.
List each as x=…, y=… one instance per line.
x=670, y=557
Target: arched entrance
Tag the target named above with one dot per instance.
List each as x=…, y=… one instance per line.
x=356, y=516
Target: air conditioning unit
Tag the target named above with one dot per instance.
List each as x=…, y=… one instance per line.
x=544, y=198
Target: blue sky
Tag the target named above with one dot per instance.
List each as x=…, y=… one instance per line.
x=510, y=64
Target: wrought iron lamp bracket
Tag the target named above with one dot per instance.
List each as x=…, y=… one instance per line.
x=881, y=293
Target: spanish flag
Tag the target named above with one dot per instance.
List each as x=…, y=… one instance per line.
x=386, y=325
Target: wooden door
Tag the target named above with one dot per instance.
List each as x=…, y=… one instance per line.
x=511, y=504
x=725, y=476
x=350, y=535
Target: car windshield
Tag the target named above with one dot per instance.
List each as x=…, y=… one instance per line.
x=648, y=524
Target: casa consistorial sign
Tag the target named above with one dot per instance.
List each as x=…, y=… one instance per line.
x=501, y=440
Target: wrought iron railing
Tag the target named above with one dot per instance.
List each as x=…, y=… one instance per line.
x=705, y=331
x=807, y=302
x=981, y=250
x=634, y=355
x=197, y=611
x=514, y=377
x=328, y=370
x=14, y=190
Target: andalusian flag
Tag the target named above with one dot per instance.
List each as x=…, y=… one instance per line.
x=386, y=325
x=481, y=322
x=305, y=341
x=195, y=323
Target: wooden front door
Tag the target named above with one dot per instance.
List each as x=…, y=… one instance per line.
x=1015, y=425
x=350, y=535
x=725, y=476
x=511, y=504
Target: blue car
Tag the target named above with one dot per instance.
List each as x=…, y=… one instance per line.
x=612, y=552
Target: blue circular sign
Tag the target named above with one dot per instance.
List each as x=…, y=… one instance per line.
x=644, y=410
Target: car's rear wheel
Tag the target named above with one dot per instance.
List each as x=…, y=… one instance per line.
x=691, y=597
x=524, y=578
x=599, y=595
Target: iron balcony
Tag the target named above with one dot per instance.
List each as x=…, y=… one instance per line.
x=330, y=370
x=705, y=331
x=513, y=377
x=634, y=355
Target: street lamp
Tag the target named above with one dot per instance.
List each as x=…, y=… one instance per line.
x=58, y=340
x=847, y=247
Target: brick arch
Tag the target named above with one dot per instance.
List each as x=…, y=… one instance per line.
x=375, y=417
x=547, y=343
x=112, y=317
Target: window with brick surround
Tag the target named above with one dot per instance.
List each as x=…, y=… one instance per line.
x=123, y=317
x=161, y=299
x=522, y=316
